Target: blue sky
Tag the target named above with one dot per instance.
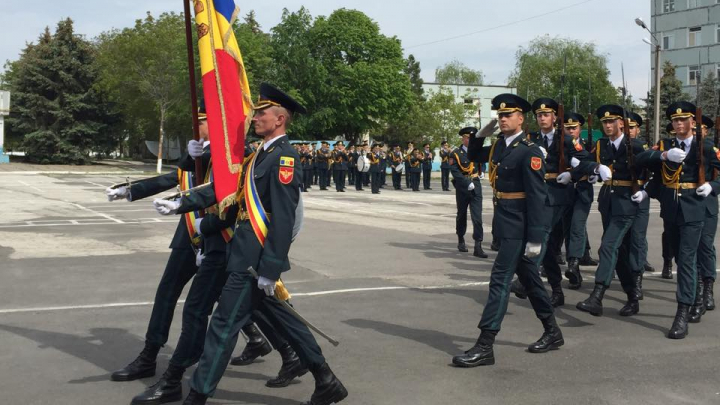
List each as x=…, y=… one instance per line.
x=607, y=23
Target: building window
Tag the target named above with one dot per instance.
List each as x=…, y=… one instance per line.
x=692, y=3
x=693, y=75
x=668, y=6
x=668, y=41
x=694, y=37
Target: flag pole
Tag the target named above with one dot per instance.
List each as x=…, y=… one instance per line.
x=199, y=175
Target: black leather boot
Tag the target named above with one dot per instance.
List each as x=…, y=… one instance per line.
x=495, y=245
x=638, y=292
x=573, y=273
x=328, y=389
x=649, y=268
x=167, y=389
x=557, y=299
x=593, y=304
x=698, y=308
x=587, y=260
x=632, y=306
x=256, y=346
x=679, y=327
x=708, y=294
x=518, y=289
x=560, y=259
x=195, y=398
x=667, y=270
x=479, y=252
x=551, y=339
x=142, y=367
x=479, y=355
x=461, y=244
x=291, y=368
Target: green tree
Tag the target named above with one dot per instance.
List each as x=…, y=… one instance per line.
x=144, y=70
x=56, y=109
x=455, y=72
x=412, y=70
x=670, y=92
x=539, y=69
x=708, y=98
x=256, y=51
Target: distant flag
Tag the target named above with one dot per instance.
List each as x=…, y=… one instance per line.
x=227, y=93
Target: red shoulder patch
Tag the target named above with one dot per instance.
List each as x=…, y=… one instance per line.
x=717, y=154
x=286, y=174
x=535, y=163
x=578, y=146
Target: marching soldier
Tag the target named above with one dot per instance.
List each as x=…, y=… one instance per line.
x=704, y=299
x=306, y=160
x=686, y=176
x=468, y=193
x=351, y=164
x=624, y=208
x=575, y=227
x=414, y=161
x=375, y=175
x=340, y=166
x=358, y=174
x=316, y=172
x=263, y=250
x=427, y=163
x=408, y=154
x=383, y=165
x=396, y=163
x=322, y=158
x=517, y=174
x=635, y=122
x=366, y=175
x=444, y=166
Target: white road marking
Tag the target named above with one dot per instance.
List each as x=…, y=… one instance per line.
x=28, y=185
x=100, y=214
x=308, y=294
x=70, y=222
x=96, y=184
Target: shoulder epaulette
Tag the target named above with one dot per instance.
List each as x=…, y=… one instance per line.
x=527, y=142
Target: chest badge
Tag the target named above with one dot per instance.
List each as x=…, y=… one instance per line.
x=535, y=163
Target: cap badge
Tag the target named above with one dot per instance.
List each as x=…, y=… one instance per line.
x=502, y=105
x=542, y=106
x=679, y=111
x=607, y=113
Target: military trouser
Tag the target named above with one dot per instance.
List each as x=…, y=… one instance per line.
x=415, y=181
x=397, y=180
x=359, y=180
x=375, y=179
x=445, y=178
x=383, y=176
x=316, y=175
x=307, y=178
x=239, y=298
x=339, y=176
x=351, y=175
x=554, y=243
x=204, y=292
x=408, y=175
x=366, y=179
x=576, y=233
x=706, y=249
x=510, y=260
x=667, y=253
x=684, y=240
x=180, y=268
x=322, y=178
x=426, y=178
x=473, y=200
x=638, y=242
x=615, y=251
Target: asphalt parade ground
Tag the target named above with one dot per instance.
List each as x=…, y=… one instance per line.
x=381, y=273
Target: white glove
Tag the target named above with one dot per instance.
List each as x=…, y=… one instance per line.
x=604, y=172
x=574, y=162
x=471, y=186
x=195, y=148
x=532, y=249
x=116, y=193
x=704, y=190
x=198, y=221
x=266, y=285
x=592, y=179
x=544, y=152
x=639, y=196
x=676, y=155
x=564, y=178
x=199, y=258
x=166, y=207
x=488, y=129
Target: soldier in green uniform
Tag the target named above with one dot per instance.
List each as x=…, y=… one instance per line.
x=408, y=154
x=639, y=228
x=322, y=159
x=340, y=166
x=414, y=163
x=468, y=193
x=707, y=271
x=444, y=166
x=681, y=168
x=306, y=161
x=517, y=174
x=272, y=196
x=396, y=162
x=624, y=207
x=427, y=163
x=375, y=174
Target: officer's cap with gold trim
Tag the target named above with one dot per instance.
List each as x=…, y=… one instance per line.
x=634, y=120
x=573, y=119
x=202, y=114
x=507, y=103
x=468, y=131
x=669, y=129
x=707, y=122
x=271, y=96
x=680, y=109
x=544, y=104
x=609, y=112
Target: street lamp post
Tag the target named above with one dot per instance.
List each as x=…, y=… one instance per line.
x=642, y=24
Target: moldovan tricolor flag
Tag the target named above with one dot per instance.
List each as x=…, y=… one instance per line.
x=227, y=93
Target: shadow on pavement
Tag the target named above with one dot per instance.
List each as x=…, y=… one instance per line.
x=250, y=398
